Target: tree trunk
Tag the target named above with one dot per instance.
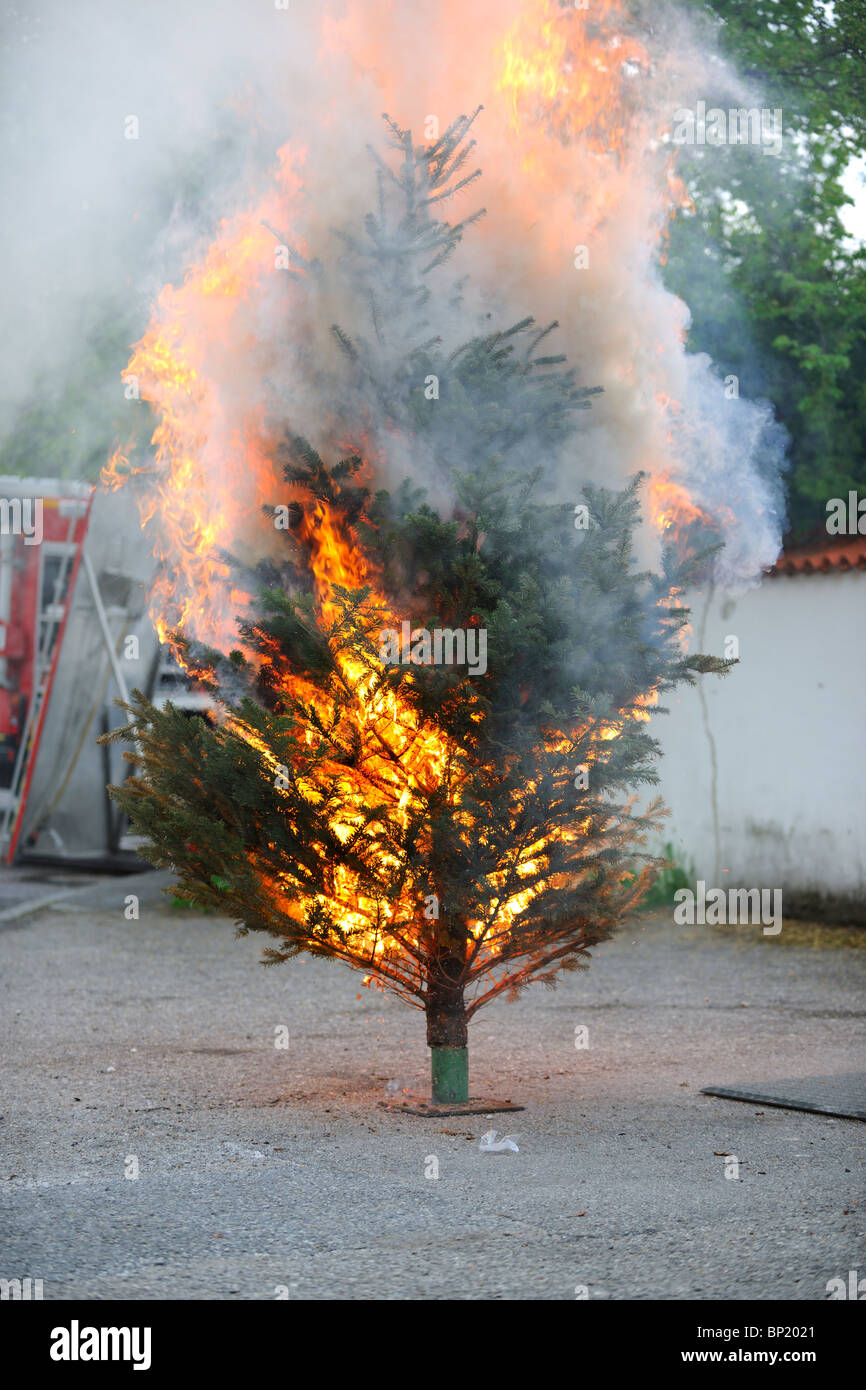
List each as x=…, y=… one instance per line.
x=447, y=1039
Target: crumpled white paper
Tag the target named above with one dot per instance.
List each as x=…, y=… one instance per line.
x=490, y=1145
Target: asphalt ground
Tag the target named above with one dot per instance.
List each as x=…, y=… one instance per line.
x=148, y=1047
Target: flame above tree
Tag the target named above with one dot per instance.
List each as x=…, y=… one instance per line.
x=563, y=80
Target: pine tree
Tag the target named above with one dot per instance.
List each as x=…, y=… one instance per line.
x=457, y=828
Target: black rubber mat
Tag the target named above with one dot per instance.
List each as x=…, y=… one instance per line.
x=843, y=1095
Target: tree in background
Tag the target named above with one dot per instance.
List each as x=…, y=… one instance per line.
x=453, y=828
x=766, y=241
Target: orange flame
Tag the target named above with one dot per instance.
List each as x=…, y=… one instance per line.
x=577, y=76
x=670, y=505
x=212, y=470
x=400, y=760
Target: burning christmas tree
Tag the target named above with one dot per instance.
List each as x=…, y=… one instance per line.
x=435, y=715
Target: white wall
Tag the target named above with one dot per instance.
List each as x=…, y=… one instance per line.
x=789, y=736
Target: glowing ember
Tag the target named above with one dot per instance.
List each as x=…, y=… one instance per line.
x=670, y=505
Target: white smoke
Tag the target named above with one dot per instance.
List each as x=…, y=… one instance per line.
x=217, y=87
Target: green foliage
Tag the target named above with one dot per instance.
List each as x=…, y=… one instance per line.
x=672, y=876
x=66, y=428
x=767, y=241
x=187, y=905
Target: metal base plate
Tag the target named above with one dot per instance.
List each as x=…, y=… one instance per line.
x=475, y=1105
x=843, y=1095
